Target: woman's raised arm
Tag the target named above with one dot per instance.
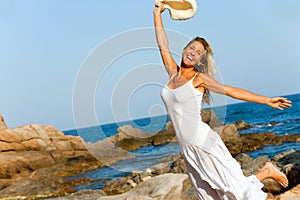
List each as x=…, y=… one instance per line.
x=241, y=94
x=162, y=41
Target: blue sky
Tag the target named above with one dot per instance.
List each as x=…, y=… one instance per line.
x=45, y=45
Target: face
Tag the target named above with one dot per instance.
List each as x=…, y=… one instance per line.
x=192, y=54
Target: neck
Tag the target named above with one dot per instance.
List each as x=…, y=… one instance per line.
x=186, y=71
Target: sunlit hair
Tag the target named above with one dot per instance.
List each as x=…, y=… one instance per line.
x=206, y=64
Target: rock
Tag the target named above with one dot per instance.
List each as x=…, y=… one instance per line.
x=166, y=186
x=273, y=123
x=293, y=194
x=119, y=186
x=254, y=141
x=43, y=155
x=146, y=178
x=209, y=117
x=13, y=146
x=9, y=137
x=255, y=165
x=136, y=172
x=23, y=188
x=35, y=145
x=15, y=164
x=178, y=166
x=188, y=191
x=130, y=144
x=132, y=183
x=128, y=132
x=2, y=123
x=106, y=152
x=82, y=195
x=291, y=167
x=277, y=157
x=243, y=159
x=160, y=168
x=241, y=125
x=163, y=137
x=232, y=139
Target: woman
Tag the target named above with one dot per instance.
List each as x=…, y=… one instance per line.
x=213, y=171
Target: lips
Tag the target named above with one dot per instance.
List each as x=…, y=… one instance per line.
x=190, y=58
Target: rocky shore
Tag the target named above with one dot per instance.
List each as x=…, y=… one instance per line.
x=36, y=161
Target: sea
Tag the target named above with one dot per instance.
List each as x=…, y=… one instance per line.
x=261, y=117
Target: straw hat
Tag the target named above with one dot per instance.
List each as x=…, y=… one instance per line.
x=180, y=9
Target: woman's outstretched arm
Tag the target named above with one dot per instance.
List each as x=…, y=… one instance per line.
x=162, y=41
x=241, y=94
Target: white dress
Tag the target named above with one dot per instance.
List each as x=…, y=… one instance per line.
x=214, y=173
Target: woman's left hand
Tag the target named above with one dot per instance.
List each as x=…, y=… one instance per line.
x=279, y=103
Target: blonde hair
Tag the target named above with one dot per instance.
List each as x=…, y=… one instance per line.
x=206, y=65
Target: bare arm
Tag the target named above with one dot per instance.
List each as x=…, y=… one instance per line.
x=162, y=41
x=241, y=94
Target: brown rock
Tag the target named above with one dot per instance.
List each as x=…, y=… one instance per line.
x=293, y=194
x=241, y=125
x=160, y=168
x=26, y=132
x=291, y=167
x=5, y=146
x=41, y=131
x=52, y=132
x=163, y=137
x=117, y=186
x=232, y=139
x=77, y=143
x=14, y=164
x=252, y=142
x=9, y=137
x=63, y=145
x=188, y=190
x=243, y=159
x=209, y=117
x=128, y=131
x=42, y=188
x=34, y=145
x=255, y=165
x=106, y=152
x=130, y=144
x=166, y=187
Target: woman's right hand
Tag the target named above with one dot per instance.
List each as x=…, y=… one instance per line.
x=159, y=9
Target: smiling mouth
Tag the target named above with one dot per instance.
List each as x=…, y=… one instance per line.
x=190, y=58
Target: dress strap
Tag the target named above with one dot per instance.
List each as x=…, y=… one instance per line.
x=172, y=76
x=194, y=76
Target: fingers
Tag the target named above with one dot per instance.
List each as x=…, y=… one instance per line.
x=285, y=103
x=160, y=7
x=281, y=103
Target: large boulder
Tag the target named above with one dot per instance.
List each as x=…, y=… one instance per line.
x=209, y=117
x=164, y=136
x=290, y=164
x=231, y=139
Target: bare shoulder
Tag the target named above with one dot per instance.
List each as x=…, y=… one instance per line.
x=199, y=82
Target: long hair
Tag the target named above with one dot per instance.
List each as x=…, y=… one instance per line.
x=206, y=65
